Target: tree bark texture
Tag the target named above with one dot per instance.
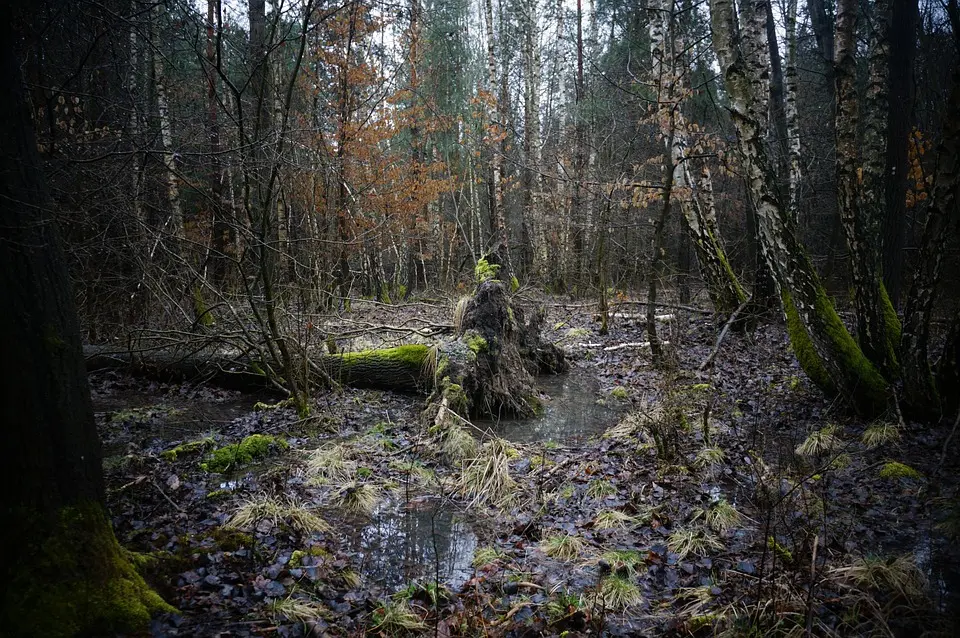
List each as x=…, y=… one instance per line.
x=941, y=225
x=903, y=48
x=860, y=180
x=62, y=569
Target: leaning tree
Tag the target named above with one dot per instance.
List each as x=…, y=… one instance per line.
x=62, y=568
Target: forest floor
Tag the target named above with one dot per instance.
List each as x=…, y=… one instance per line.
x=625, y=516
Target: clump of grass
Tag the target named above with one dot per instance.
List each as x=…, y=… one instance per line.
x=613, y=519
x=625, y=429
x=415, y=470
x=395, y=618
x=878, y=434
x=709, y=456
x=458, y=313
x=485, y=556
x=457, y=444
x=329, y=463
x=722, y=516
x=486, y=478
x=351, y=579
x=292, y=512
x=623, y=562
x=563, y=546
x=600, y=489
x=563, y=605
x=620, y=393
x=299, y=609
x=897, y=470
x=692, y=540
x=898, y=576
x=819, y=442
x=358, y=498
x=619, y=593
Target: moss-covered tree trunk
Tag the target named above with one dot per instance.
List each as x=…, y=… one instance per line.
x=62, y=569
x=860, y=179
x=824, y=347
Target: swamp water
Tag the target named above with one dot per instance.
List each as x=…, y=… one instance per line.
x=427, y=541
x=570, y=412
x=421, y=540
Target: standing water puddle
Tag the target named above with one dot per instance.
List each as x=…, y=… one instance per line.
x=423, y=541
x=571, y=411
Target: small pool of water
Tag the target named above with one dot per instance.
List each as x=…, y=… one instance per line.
x=571, y=411
x=422, y=540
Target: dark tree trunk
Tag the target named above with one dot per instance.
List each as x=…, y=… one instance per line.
x=778, y=113
x=903, y=48
x=63, y=572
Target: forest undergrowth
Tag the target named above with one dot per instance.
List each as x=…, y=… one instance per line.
x=734, y=501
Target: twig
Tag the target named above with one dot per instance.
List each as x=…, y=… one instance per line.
x=946, y=444
x=164, y=495
x=723, y=333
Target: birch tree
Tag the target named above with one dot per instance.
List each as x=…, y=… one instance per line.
x=694, y=194
x=825, y=349
x=860, y=180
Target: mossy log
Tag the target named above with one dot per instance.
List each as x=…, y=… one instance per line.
x=487, y=370
x=400, y=369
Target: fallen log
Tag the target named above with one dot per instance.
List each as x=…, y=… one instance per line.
x=488, y=369
x=400, y=369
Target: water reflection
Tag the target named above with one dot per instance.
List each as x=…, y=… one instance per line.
x=571, y=412
x=419, y=542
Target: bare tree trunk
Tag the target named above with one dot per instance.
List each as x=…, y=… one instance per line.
x=498, y=221
x=166, y=135
x=942, y=224
x=699, y=216
x=533, y=180
x=903, y=46
x=795, y=175
x=826, y=351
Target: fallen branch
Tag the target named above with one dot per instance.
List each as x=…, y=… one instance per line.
x=723, y=333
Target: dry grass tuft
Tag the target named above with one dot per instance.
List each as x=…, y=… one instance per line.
x=330, y=464
x=458, y=313
x=486, y=478
x=563, y=546
x=898, y=576
x=620, y=594
x=880, y=434
x=299, y=609
x=613, y=519
x=395, y=618
x=819, y=442
x=358, y=498
x=692, y=540
x=291, y=512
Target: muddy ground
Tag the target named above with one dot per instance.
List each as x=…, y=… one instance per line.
x=627, y=516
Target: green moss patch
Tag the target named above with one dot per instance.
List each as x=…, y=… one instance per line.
x=413, y=354
x=185, y=449
x=897, y=470
x=72, y=578
x=486, y=271
x=252, y=448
